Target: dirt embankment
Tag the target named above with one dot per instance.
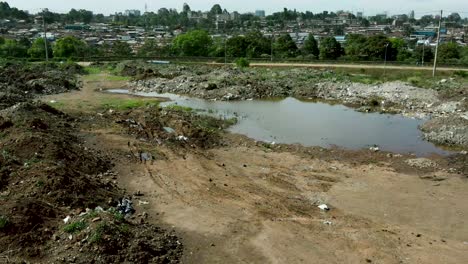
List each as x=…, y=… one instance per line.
x=21, y=82
x=59, y=201
x=447, y=102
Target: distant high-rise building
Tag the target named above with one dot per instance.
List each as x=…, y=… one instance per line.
x=133, y=12
x=260, y=13
x=359, y=14
x=411, y=16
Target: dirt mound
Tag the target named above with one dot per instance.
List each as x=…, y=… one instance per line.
x=450, y=130
x=45, y=173
x=180, y=127
x=140, y=71
x=107, y=237
x=21, y=82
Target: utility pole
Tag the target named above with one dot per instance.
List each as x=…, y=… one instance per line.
x=385, y=62
x=437, y=46
x=272, y=41
x=422, y=59
x=225, y=43
x=45, y=35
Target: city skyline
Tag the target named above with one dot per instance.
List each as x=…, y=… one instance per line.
x=421, y=7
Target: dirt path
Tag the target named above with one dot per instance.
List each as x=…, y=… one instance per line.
x=248, y=204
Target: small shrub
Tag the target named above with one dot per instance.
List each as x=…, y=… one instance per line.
x=179, y=108
x=96, y=237
x=242, y=63
x=75, y=227
x=4, y=222
x=463, y=74
x=415, y=80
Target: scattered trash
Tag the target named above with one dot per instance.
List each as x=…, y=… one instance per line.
x=464, y=152
x=182, y=138
x=374, y=149
x=146, y=156
x=53, y=101
x=67, y=219
x=96, y=219
x=125, y=207
x=324, y=207
x=70, y=237
x=138, y=193
x=98, y=209
x=143, y=202
x=169, y=130
x=327, y=223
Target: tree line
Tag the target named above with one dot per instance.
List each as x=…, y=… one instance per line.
x=357, y=48
x=253, y=45
x=64, y=48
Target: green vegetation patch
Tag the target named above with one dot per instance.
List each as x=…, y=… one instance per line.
x=75, y=227
x=4, y=222
x=128, y=104
x=179, y=108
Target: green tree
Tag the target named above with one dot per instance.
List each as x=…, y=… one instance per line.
x=257, y=44
x=311, y=46
x=121, y=49
x=37, y=49
x=377, y=46
x=449, y=51
x=330, y=49
x=237, y=47
x=428, y=53
x=216, y=10
x=12, y=48
x=285, y=47
x=69, y=47
x=355, y=44
x=192, y=43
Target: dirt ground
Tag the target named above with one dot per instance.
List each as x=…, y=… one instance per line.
x=242, y=202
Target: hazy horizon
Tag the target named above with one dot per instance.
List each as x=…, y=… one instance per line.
x=368, y=7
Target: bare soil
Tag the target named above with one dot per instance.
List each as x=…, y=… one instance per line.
x=240, y=201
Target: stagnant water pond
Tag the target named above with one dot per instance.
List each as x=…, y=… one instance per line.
x=292, y=121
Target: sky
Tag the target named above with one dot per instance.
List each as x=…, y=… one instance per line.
x=368, y=7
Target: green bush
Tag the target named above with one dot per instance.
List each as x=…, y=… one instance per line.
x=4, y=222
x=242, y=63
x=75, y=227
x=462, y=74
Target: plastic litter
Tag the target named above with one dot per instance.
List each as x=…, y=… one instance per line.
x=324, y=207
x=182, y=138
x=67, y=219
x=169, y=130
x=143, y=202
x=125, y=207
x=374, y=148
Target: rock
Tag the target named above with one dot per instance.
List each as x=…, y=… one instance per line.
x=421, y=163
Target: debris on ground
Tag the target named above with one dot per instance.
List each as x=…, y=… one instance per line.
x=324, y=207
x=421, y=163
